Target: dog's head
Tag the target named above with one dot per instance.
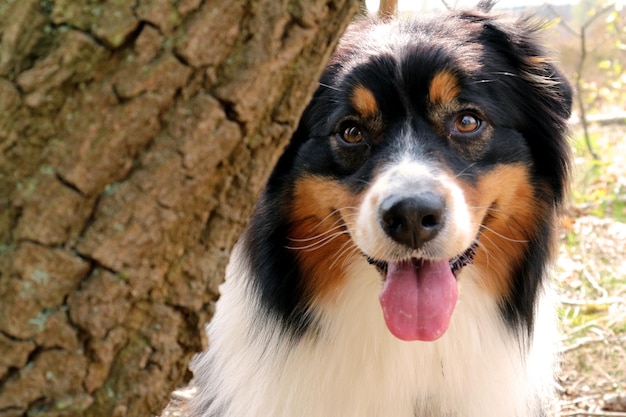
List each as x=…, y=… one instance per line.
x=430, y=145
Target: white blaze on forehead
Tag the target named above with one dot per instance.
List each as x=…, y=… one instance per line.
x=404, y=173
x=405, y=178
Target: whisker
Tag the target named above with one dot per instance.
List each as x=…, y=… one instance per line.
x=464, y=169
x=330, y=87
x=487, y=80
x=485, y=249
x=345, y=248
x=484, y=81
x=336, y=229
x=489, y=208
x=318, y=236
x=336, y=211
x=508, y=210
x=502, y=236
x=363, y=181
x=355, y=252
x=318, y=244
x=506, y=73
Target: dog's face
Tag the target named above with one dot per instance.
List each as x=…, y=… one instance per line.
x=427, y=147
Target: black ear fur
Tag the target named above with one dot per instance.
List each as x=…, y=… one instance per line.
x=518, y=40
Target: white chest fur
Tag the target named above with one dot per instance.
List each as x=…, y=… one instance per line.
x=353, y=367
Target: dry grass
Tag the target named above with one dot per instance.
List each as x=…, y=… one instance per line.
x=591, y=277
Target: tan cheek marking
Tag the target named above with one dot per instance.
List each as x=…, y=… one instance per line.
x=364, y=102
x=444, y=88
x=508, y=226
x=321, y=257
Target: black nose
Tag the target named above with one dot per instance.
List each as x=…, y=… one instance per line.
x=412, y=221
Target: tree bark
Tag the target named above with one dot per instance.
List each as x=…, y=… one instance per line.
x=134, y=138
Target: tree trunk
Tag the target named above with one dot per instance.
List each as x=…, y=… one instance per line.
x=134, y=138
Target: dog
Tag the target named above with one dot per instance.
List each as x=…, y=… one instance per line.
x=396, y=263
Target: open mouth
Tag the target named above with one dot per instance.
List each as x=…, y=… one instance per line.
x=420, y=295
x=456, y=264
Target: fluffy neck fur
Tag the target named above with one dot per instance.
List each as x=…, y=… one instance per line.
x=353, y=366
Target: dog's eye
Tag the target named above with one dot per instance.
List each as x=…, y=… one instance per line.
x=467, y=123
x=352, y=133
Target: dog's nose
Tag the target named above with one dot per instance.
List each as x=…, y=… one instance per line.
x=412, y=221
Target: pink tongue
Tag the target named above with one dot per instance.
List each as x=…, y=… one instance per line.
x=418, y=299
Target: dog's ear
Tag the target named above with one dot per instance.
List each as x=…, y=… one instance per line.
x=518, y=40
x=546, y=77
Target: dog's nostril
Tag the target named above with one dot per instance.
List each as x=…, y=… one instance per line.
x=430, y=220
x=412, y=221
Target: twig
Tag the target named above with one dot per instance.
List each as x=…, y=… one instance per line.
x=580, y=399
x=387, y=9
x=580, y=344
x=594, y=283
x=597, y=301
x=594, y=413
x=582, y=35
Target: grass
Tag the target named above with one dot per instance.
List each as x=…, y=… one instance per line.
x=591, y=278
x=599, y=187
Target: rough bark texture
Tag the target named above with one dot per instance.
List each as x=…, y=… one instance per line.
x=134, y=137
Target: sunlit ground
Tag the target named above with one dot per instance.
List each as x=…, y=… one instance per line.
x=591, y=277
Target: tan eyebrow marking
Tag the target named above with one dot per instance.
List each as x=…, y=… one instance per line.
x=444, y=88
x=364, y=101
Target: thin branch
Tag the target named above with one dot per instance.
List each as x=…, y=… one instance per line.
x=580, y=344
x=579, y=400
x=595, y=302
x=579, y=88
x=387, y=9
x=582, y=35
x=593, y=18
